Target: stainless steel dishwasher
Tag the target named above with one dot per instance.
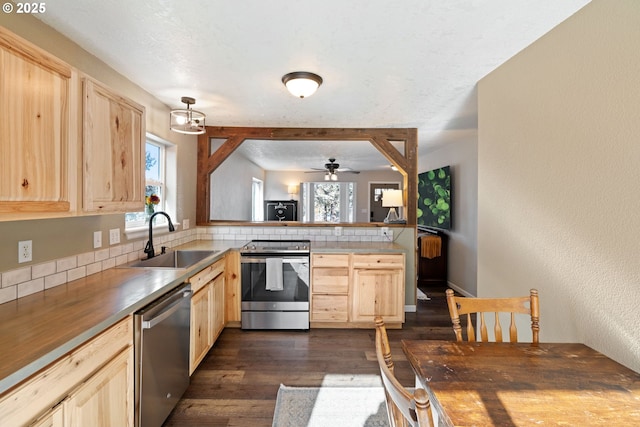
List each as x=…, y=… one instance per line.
x=162, y=356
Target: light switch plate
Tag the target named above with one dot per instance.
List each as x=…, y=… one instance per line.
x=114, y=236
x=337, y=231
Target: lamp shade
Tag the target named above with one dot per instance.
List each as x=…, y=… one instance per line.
x=187, y=120
x=302, y=83
x=392, y=198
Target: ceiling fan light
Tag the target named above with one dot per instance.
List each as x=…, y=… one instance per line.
x=327, y=176
x=302, y=83
x=334, y=177
x=186, y=120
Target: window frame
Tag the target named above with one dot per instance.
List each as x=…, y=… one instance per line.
x=141, y=222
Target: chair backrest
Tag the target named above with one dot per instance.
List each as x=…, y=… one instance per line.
x=404, y=408
x=462, y=305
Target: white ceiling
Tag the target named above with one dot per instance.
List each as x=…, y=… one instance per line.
x=408, y=63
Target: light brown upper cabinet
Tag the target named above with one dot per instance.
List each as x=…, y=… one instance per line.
x=113, y=151
x=35, y=120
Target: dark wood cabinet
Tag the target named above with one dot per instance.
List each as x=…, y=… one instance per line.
x=432, y=270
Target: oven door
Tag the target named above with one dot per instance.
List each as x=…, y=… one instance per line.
x=294, y=295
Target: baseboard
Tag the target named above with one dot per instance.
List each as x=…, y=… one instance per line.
x=460, y=290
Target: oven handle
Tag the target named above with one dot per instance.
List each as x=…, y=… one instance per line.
x=285, y=260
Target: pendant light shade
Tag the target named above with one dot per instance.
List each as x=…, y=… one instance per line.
x=302, y=83
x=187, y=120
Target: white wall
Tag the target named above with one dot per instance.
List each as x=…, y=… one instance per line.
x=459, y=149
x=276, y=185
x=231, y=188
x=558, y=194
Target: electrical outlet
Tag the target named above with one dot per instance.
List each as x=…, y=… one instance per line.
x=384, y=231
x=337, y=231
x=185, y=224
x=25, y=251
x=114, y=236
x=97, y=239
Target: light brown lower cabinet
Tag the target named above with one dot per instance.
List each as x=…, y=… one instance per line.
x=350, y=289
x=207, y=311
x=99, y=401
x=91, y=386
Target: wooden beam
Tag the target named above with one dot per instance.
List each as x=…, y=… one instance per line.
x=381, y=138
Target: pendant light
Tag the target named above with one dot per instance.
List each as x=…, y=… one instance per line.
x=187, y=120
x=302, y=84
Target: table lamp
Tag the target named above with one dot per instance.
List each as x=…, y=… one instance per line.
x=392, y=199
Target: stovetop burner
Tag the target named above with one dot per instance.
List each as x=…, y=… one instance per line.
x=277, y=246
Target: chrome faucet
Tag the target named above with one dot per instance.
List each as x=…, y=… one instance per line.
x=149, y=248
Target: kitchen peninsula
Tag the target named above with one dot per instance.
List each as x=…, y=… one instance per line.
x=44, y=328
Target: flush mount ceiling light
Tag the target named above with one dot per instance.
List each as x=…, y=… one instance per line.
x=187, y=120
x=302, y=83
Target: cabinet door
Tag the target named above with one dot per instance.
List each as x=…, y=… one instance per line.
x=106, y=398
x=35, y=100
x=378, y=292
x=113, y=151
x=201, y=325
x=218, y=306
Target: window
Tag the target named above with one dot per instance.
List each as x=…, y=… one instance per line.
x=328, y=201
x=257, y=200
x=155, y=189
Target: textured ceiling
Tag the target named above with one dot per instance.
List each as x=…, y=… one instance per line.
x=409, y=63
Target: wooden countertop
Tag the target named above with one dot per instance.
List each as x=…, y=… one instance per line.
x=40, y=328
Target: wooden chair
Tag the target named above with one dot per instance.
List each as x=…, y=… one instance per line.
x=403, y=407
x=461, y=305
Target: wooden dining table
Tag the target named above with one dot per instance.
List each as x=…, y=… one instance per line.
x=520, y=384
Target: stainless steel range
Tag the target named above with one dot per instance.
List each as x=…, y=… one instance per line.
x=275, y=284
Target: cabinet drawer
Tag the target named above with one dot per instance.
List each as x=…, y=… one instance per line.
x=330, y=260
x=378, y=261
x=330, y=308
x=330, y=280
x=206, y=275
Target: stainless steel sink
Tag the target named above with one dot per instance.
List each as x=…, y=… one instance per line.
x=172, y=259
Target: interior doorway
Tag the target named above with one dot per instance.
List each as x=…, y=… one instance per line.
x=376, y=212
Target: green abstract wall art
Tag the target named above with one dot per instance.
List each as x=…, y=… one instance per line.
x=434, y=198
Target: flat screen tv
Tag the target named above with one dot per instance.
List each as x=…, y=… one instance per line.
x=434, y=198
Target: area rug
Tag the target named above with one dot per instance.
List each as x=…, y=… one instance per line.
x=330, y=407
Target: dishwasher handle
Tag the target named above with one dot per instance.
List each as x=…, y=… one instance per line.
x=168, y=311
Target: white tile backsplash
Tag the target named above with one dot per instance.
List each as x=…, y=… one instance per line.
x=27, y=280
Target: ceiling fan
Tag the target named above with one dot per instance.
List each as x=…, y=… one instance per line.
x=331, y=168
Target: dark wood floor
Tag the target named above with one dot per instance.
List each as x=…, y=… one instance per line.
x=237, y=383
